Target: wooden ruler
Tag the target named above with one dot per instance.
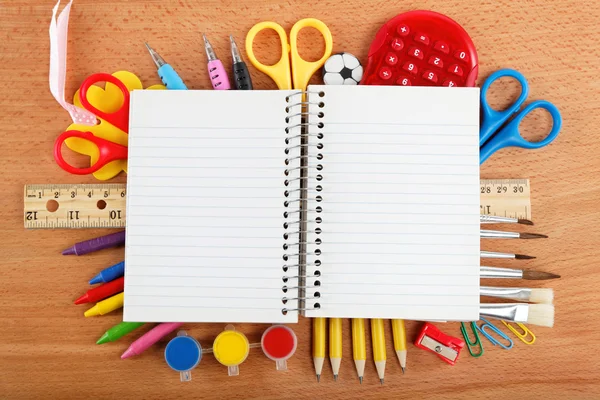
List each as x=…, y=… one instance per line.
x=75, y=206
x=103, y=205
x=506, y=197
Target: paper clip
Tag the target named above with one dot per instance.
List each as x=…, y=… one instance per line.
x=493, y=340
x=472, y=344
x=522, y=336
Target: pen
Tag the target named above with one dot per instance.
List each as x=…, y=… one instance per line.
x=216, y=71
x=241, y=76
x=106, y=306
x=149, y=338
x=102, y=292
x=359, y=346
x=166, y=73
x=335, y=345
x=378, y=338
x=318, y=333
x=399, y=334
x=109, y=274
x=118, y=331
x=99, y=243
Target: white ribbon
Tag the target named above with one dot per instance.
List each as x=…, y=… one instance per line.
x=58, y=65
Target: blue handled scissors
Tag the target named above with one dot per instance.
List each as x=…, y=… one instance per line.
x=497, y=132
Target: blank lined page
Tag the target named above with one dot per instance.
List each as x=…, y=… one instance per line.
x=205, y=204
x=398, y=200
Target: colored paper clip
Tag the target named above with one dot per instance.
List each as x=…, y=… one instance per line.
x=521, y=335
x=472, y=344
x=493, y=340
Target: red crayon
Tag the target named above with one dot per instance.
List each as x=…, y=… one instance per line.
x=102, y=292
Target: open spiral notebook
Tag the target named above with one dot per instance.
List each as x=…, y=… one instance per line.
x=250, y=206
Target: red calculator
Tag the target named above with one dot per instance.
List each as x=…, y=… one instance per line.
x=421, y=48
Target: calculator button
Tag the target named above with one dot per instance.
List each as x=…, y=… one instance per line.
x=442, y=47
x=430, y=76
x=456, y=70
x=421, y=38
x=416, y=52
x=403, y=81
x=436, y=61
x=397, y=44
x=461, y=55
x=410, y=67
x=403, y=30
x=449, y=83
x=385, y=73
x=391, y=59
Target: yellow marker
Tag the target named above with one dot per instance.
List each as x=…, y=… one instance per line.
x=335, y=345
x=359, y=346
x=378, y=337
x=399, y=334
x=231, y=348
x=318, y=345
x=106, y=306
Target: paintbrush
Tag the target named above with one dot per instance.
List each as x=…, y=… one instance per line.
x=493, y=272
x=534, y=314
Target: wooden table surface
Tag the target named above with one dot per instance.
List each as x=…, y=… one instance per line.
x=47, y=348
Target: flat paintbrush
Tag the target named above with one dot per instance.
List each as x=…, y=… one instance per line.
x=534, y=314
x=543, y=295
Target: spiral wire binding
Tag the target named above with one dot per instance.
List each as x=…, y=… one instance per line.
x=295, y=215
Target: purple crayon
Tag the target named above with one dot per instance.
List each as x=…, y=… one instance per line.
x=102, y=242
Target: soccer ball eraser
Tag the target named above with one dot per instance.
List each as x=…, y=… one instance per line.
x=342, y=69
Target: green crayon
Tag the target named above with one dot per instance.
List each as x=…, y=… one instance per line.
x=118, y=331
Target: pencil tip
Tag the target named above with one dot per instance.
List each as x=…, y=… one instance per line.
x=335, y=378
x=523, y=257
x=525, y=221
x=402, y=370
x=381, y=380
x=318, y=378
x=360, y=379
x=532, y=236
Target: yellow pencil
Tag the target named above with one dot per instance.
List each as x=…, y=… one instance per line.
x=335, y=345
x=359, y=346
x=106, y=306
x=399, y=334
x=378, y=337
x=318, y=345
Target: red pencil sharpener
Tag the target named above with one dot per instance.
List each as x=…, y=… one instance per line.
x=444, y=346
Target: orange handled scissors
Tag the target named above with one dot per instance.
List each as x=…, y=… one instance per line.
x=107, y=152
x=299, y=71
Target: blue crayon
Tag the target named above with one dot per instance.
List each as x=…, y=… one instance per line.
x=109, y=274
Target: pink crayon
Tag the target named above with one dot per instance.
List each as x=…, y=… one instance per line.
x=149, y=338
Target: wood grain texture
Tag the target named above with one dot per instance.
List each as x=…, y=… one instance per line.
x=47, y=348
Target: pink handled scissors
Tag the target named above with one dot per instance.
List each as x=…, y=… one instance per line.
x=119, y=118
x=107, y=152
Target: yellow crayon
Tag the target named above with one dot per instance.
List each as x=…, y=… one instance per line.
x=335, y=345
x=359, y=346
x=318, y=344
x=399, y=334
x=378, y=338
x=106, y=306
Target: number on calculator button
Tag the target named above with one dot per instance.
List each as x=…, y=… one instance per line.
x=385, y=73
x=436, y=61
x=461, y=55
x=449, y=83
x=403, y=81
x=442, y=47
x=430, y=76
x=397, y=44
x=419, y=37
x=403, y=30
x=416, y=52
x=456, y=70
x=410, y=67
